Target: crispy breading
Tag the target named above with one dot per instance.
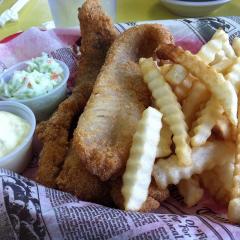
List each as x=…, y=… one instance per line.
x=76, y=179
x=155, y=192
x=98, y=33
x=104, y=134
x=155, y=196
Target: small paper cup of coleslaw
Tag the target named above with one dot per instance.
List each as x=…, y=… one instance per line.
x=17, y=128
x=40, y=84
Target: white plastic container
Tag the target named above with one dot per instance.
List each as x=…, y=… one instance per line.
x=18, y=159
x=42, y=106
x=193, y=8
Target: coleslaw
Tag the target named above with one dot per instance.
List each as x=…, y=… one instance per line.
x=41, y=76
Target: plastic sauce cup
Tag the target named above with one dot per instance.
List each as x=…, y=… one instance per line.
x=18, y=159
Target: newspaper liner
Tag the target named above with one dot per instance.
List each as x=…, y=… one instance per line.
x=31, y=211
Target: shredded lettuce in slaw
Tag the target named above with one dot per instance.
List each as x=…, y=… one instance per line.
x=41, y=76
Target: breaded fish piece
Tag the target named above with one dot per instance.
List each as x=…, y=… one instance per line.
x=76, y=179
x=155, y=196
x=98, y=33
x=104, y=133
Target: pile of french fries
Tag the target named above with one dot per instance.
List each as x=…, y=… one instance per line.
x=191, y=135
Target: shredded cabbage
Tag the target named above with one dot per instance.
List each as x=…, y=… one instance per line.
x=41, y=76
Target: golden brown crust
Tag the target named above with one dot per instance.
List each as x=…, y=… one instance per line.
x=55, y=141
x=167, y=52
x=150, y=205
x=155, y=192
x=98, y=33
x=105, y=129
x=76, y=179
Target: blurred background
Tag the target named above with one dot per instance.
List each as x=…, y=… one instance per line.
x=38, y=12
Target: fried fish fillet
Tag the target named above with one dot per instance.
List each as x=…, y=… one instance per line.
x=74, y=178
x=104, y=133
x=98, y=33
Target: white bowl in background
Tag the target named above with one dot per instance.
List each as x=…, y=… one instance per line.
x=44, y=105
x=193, y=8
x=18, y=159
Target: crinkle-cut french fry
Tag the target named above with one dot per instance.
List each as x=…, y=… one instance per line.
x=165, y=68
x=218, y=57
x=210, y=114
x=223, y=65
x=236, y=46
x=198, y=95
x=184, y=88
x=208, y=51
x=205, y=122
x=223, y=128
x=234, y=205
x=190, y=190
x=168, y=171
x=164, y=146
x=170, y=108
x=137, y=176
x=227, y=48
x=234, y=75
x=176, y=74
x=221, y=89
x=178, y=78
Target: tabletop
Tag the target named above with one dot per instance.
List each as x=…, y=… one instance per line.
x=37, y=12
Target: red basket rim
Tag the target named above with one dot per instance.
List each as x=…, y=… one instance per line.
x=8, y=38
